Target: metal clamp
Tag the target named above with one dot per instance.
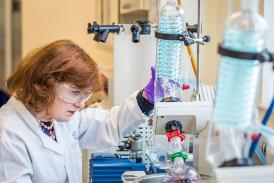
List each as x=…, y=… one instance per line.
x=181, y=154
x=101, y=31
x=187, y=37
x=264, y=56
x=142, y=27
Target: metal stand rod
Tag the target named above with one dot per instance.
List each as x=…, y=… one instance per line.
x=198, y=50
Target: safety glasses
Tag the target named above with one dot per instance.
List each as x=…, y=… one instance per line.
x=71, y=94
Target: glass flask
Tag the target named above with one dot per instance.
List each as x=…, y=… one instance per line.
x=169, y=53
x=237, y=88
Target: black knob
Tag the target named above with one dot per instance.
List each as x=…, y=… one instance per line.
x=188, y=42
x=145, y=26
x=206, y=39
x=90, y=28
x=173, y=125
x=191, y=28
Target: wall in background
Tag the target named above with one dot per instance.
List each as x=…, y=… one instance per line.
x=2, y=44
x=46, y=21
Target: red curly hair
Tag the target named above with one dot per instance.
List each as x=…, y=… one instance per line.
x=33, y=82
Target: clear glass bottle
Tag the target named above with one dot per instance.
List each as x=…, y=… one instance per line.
x=237, y=87
x=179, y=171
x=169, y=53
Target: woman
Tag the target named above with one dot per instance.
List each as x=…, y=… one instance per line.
x=43, y=126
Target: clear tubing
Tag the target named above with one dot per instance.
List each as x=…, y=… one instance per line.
x=249, y=5
x=175, y=145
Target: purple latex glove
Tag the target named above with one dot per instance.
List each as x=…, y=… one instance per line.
x=149, y=88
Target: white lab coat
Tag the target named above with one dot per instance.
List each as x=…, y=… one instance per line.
x=28, y=155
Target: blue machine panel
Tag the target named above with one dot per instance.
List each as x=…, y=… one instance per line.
x=110, y=169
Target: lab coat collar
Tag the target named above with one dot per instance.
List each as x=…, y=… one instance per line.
x=29, y=119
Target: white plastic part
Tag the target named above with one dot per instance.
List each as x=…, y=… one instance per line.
x=193, y=115
x=132, y=63
x=254, y=174
x=130, y=176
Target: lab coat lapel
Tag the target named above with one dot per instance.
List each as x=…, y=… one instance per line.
x=51, y=144
x=59, y=135
x=34, y=126
x=71, y=146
